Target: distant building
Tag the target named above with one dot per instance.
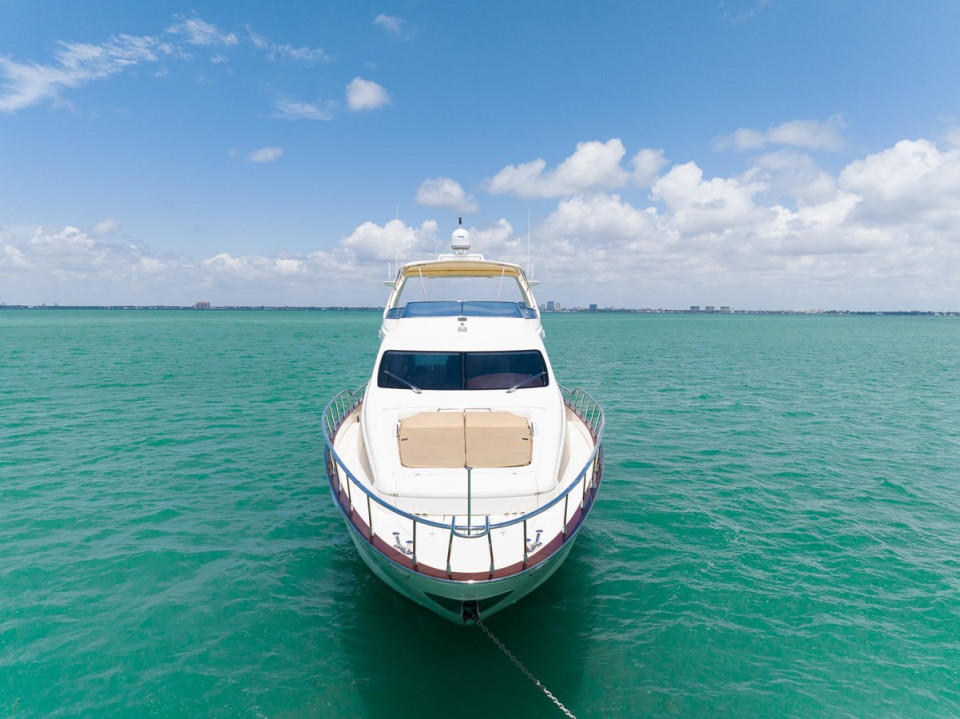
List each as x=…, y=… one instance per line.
x=202, y=306
x=709, y=308
x=694, y=308
x=593, y=307
x=552, y=306
x=726, y=309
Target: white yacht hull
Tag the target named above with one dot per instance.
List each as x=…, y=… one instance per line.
x=463, y=469
x=453, y=599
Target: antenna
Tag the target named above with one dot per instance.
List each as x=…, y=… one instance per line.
x=529, y=269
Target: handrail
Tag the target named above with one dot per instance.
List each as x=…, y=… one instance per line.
x=577, y=400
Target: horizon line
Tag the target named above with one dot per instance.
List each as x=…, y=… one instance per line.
x=566, y=310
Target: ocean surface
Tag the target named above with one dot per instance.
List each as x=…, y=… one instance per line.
x=777, y=535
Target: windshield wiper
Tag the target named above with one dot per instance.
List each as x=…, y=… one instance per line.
x=522, y=382
x=401, y=380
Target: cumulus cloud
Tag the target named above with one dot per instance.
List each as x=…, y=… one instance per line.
x=366, y=95
x=105, y=228
x=265, y=154
x=795, y=175
x=882, y=233
x=646, y=166
x=913, y=181
x=68, y=265
x=445, y=192
x=593, y=166
x=803, y=134
x=394, y=240
x=718, y=205
x=601, y=218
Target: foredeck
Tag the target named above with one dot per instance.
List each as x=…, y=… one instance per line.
x=449, y=542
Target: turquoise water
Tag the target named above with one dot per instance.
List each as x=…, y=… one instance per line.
x=778, y=533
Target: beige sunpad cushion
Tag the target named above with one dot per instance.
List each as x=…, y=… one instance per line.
x=497, y=439
x=432, y=439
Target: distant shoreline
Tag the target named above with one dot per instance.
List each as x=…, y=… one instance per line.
x=572, y=310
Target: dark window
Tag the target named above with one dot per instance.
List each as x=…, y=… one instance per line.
x=503, y=370
x=423, y=370
x=462, y=370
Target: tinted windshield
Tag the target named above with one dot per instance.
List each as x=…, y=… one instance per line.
x=462, y=370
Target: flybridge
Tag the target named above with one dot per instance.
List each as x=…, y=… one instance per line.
x=495, y=289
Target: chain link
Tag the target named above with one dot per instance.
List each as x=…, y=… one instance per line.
x=519, y=665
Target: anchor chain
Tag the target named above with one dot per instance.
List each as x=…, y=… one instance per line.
x=519, y=665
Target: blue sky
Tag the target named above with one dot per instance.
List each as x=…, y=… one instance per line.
x=770, y=154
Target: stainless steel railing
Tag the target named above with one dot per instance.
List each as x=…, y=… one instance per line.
x=341, y=478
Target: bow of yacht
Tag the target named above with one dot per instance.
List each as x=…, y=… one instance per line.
x=462, y=469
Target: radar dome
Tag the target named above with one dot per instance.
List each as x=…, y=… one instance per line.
x=461, y=241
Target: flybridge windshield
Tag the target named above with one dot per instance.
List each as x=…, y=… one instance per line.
x=463, y=288
x=417, y=371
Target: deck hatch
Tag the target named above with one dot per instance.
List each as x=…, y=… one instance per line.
x=478, y=439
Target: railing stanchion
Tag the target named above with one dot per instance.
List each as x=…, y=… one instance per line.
x=370, y=517
x=524, y=537
x=469, y=511
x=415, y=543
x=490, y=542
x=453, y=524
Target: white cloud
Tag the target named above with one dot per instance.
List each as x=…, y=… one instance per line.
x=286, y=51
x=265, y=154
x=593, y=166
x=606, y=218
x=366, y=95
x=61, y=264
x=257, y=39
x=445, y=192
x=912, y=182
x=200, y=32
x=697, y=206
x=395, y=240
x=105, y=228
x=67, y=266
x=300, y=54
x=392, y=25
x=75, y=65
x=882, y=233
x=646, y=166
x=294, y=110
x=796, y=175
x=805, y=134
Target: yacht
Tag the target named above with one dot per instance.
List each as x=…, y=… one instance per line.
x=462, y=468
